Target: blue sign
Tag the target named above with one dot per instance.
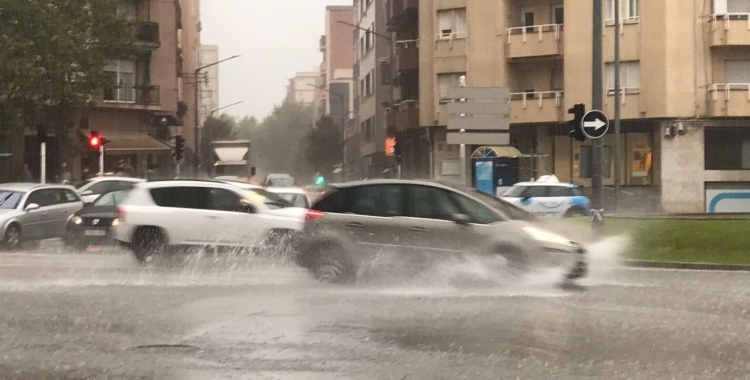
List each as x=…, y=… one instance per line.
x=483, y=175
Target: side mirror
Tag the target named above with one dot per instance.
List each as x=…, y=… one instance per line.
x=252, y=171
x=461, y=219
x=32, y=207
x=87, y=192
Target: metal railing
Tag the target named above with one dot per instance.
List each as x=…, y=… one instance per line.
x=728, y=88
x=729, y=16
x=623, y=91
x=541, y=95
x=136, y=94
x=538, y=29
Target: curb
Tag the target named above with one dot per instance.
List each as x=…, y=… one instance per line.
x=689, y=266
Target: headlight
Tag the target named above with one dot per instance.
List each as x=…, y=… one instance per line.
x=543, y=236
x=115, y=222
x=77, y=220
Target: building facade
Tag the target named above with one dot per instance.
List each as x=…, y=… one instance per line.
x=210, y=89
x=373, y=82
x=301, y=88
x=684, y=87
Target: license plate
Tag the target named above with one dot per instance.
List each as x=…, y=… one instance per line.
x=95, y=233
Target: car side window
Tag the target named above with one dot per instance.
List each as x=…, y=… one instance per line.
x=559, y=191
x=37, y=197
x=122, y=185
x=478, y=212
x=69, y=196
x=431, y=203
x=223, y=200
x=378, y=200
x=181, y=197
x=333, y=201
x=46, y=197
x=101, y=187
x=535, y=192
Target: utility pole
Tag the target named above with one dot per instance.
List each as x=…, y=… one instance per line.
x=597, y=225
x=462, y=151
x=617, y=105
x=101, y=159
x=42, y=137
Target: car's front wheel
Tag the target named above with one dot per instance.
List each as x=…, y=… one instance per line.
x=12, y=238
x=332, y=266
x=148, y=243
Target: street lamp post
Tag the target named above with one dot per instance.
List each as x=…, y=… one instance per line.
x=197, y=115
x=343, y=126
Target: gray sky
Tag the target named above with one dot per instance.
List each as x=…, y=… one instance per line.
x=275, y=38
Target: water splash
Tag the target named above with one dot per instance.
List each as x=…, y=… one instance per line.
x=604, y=257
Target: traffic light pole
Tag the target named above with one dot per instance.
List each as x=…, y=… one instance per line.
x=597, y=224
x=43, y=167
x=101, y=159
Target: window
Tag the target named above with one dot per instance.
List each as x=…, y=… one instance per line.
x=362, y=48
x=369, y=84
x=478, y=212
x=447, y=81
x=362, y=89
x=558, y=14
x=431, y=203
x=271, y=200
x=370, y=37
x=452, y=23
x=535, y=192
x=368, y=127
x=505, y=208
x=9, y=199
x=628, y=9
x=296, y=200
x=727, y=148
x=122, y=77
x=584, y=162
x=561, y=191
x=738, y=6
x=737, y=72
x=70, y=196
x=223, y=200
x=527, y=16
x=630, y=75
x=111, y=199
x=378, y=200
x=181, y=197
x=558, y=78
x=46, y=197
x=332, y=201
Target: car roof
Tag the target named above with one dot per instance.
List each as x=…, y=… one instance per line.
x=241, y=184
x=287, y=190
x=182, y=182
x=560, y=184
x=116, y=178
x=442, y=184
x=31, y=186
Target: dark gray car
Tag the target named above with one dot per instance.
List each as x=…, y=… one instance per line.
x=405, y=226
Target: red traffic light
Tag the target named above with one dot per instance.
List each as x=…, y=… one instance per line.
x=95, y=141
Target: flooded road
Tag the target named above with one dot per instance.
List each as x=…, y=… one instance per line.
x=101, y=316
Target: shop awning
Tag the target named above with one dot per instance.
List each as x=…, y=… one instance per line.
x=133, y=142
x=496, y=151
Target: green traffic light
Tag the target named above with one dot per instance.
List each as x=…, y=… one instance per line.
x=319, y=180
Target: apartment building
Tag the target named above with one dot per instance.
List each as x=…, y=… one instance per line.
x=210, y=87
x=403, y=114
x=301, y=88
x=334, y=87
x=374, y=84
x=685, y=85
x=147, y=104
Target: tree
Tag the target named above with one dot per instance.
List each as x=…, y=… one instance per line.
x=216, y=129
x=246, y=127
x=54, y=54
x=326, y=145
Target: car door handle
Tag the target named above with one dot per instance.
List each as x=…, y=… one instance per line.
x=417, y=229
x=355, y=225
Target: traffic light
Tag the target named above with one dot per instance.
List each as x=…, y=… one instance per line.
x=95, y=141
x=576, y=125
x=179, y=147
x=320, y=180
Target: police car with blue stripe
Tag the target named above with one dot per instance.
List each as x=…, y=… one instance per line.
x=547, y=197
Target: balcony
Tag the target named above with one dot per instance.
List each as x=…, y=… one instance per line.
x=729, y=99
x=404, y=16
x=406, y=115
x=132, y=96
x=535, y=41
x=731, y=29
x=536, y=107
x=148, y=34
x=407, y=55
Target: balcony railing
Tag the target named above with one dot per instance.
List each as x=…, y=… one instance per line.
x=135, y=94
x=148, y=33
x=730, y=29
x=729, y=99
x=407, y=55
x=547, y=40
x=536, y=107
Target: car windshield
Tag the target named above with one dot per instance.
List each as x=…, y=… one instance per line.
x=9, y=199
x=88, y=181
x=506, y=208
x=111, y=199
x=515, y=191
x=271, y=200
x=295, y=199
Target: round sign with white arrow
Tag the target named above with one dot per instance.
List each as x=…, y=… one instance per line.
x=595, y=124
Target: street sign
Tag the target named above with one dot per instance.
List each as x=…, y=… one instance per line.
x=595, y=124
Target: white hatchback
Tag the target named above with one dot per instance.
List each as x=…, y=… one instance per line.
x=162, y=214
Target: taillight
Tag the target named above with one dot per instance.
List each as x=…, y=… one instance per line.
x=120, y=214
x=313, y=214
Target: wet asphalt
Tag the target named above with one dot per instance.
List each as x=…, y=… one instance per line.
x=99, y=315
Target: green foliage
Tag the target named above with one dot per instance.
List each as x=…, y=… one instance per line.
x=327, y=145
x=54, y=53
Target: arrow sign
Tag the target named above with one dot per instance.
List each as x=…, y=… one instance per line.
x=595, y=124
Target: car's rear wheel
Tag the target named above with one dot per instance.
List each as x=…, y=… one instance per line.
x=148, y=242
x=12, y=238
x=575, y=212
x=332, y=266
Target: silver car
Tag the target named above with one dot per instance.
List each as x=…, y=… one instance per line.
x=31, y=211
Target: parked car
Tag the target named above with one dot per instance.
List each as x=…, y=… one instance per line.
x=315, y=192
x=93, y=224
x=294, y=195
x=160, y=215
x=31, y=212
x=356, y=225
x=548, y=198
x=279, y=180
x=95, y=187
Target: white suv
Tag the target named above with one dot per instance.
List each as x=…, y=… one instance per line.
x=162, y=214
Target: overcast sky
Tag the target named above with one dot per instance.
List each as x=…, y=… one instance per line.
x=276, y=38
